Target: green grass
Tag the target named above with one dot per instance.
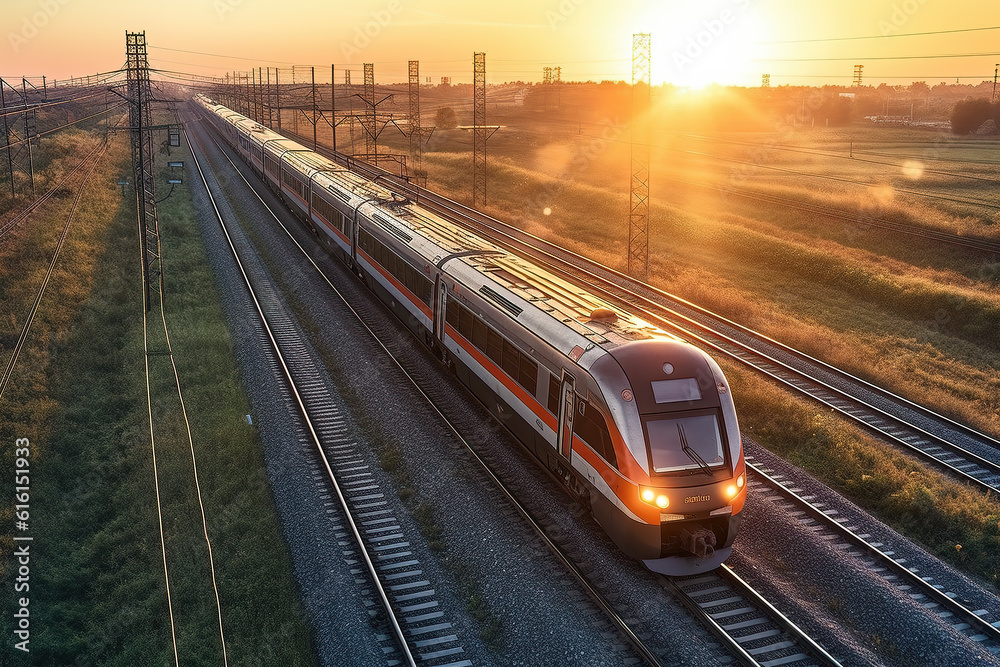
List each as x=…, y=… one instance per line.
x=98, y=590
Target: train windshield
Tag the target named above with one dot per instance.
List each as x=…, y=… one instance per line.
x=686, y=443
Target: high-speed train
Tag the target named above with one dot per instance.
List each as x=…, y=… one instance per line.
x=636, y=424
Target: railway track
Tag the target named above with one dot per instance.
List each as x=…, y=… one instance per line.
x=982, y=244
x=369, y=532
x=756, y=632
x=979, y=625
x=22, y=338
x=957, y=449
x=12, y=224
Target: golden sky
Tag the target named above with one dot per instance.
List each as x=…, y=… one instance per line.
x=694, y=42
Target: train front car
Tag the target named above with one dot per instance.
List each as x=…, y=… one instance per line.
x=678, y=421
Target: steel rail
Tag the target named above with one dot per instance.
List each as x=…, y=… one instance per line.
x=939, y=595
x=289, y=377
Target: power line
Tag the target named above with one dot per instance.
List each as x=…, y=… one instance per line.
x=937, y=55
x=907, y=34
x=219, y=55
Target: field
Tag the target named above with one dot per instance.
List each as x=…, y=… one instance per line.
x=727, y=230
x=78, y=394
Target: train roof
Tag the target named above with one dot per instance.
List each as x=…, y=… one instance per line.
x=595, y=319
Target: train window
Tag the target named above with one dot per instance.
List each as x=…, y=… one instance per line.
x=591, y=427
x=528, y=373
x=325, y=210
x=494, y=346
x=685, y=443
x=479, y=335
x=365, y=241
x=676, y=391
x=271, y=165
x=511, y=359
x=451, y=316
x=465, y=320
x=417, y=283
x=553, y=394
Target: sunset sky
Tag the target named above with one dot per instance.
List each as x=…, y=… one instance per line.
x=694, y=43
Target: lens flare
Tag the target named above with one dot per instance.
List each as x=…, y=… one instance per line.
x=913, y=169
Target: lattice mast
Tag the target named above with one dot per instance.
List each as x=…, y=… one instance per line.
x=638, y=219
x=20, y=131
x=369, y=123
x=141, y=133
x=479, y=131
x=416, y=147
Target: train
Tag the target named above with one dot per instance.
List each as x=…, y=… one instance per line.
x=637, y=425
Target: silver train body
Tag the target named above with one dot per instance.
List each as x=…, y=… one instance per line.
x=637, y=425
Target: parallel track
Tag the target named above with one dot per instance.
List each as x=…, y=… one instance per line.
x=975, y=624
x=753, y=629
x=9, y=226
x=320, y=421
x=30, y=317
x=791, y=646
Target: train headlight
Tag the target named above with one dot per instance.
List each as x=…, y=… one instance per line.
x=733, y=489
x=651, y=497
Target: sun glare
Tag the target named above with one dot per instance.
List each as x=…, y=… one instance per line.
x=695, y=45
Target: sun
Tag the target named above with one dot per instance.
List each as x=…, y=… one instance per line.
x=695, y=45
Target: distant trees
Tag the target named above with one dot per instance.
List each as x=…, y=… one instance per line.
x=445, y=118
x=968, y=115
x=836, y=110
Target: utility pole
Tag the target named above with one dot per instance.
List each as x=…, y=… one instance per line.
x=315, y=110
x=480, y=130
x=638, y=219
x=416, y=149
x=141, y=133
x=995, y=70
x=857, y=75
x=371, y=141
x=333, y=105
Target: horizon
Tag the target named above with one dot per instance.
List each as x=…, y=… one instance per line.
x=719, y=42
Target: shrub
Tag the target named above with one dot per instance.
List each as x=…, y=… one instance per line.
x=969, y=114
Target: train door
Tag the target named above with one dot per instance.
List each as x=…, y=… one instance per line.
x=567, y=401
x=440, y=308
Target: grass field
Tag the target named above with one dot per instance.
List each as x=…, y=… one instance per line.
x=97, y=580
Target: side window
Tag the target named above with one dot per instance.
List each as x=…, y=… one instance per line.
x=518, y=365
x=591, y=427
x=528, y=373
x=511, y=357
x=494, y=346
x=479, y=336
x=554, y=395
x=465, y=320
